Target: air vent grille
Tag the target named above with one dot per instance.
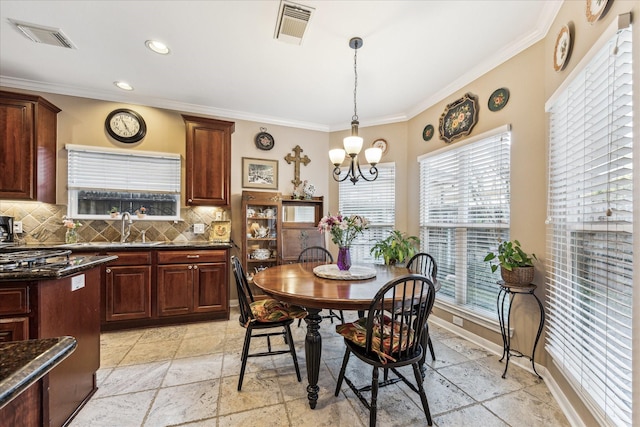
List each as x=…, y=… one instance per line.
x=293, y=20
x=45, y=35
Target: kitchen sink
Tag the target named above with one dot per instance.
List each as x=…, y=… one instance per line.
x=111, y=244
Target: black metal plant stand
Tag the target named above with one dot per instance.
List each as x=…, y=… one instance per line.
x=507, y=290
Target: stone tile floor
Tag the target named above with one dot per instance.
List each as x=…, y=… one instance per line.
x=187, y=376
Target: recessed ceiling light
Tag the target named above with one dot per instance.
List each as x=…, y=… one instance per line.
x=157, y=47
x=123, y=85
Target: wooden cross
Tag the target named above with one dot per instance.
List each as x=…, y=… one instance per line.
x=297, y=160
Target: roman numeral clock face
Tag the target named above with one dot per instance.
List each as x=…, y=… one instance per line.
x=125, y=126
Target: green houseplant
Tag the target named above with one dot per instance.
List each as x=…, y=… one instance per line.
x=516, y=266
x=396, y=248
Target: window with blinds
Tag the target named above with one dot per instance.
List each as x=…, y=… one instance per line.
x=464, y=214
x=101, y=179
x=376, y=201
x=590, y=230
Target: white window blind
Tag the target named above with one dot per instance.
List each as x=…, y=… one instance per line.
x=590, y=232
x=89, y=168
x=464, y=213
x=376, y=201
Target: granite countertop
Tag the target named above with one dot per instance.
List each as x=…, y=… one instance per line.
x=77, y=263
x=22, y=363
x=97, y=246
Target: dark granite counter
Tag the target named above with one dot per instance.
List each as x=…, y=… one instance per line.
x=113, y=246
x=77, y=263
x=22, y=363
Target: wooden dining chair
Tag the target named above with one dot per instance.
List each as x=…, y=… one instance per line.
x=315, y=254
x=387, y=341
x=263, y=315
x=425, y=264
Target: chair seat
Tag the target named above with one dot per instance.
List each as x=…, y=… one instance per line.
x=271, y=310
x=384, y=346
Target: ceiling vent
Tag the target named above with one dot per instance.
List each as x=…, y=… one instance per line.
x=45, y=35
x=293, y=20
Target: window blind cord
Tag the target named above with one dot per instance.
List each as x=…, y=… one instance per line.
x=612, y=85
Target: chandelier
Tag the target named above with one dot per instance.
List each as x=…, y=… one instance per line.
x=353, y=144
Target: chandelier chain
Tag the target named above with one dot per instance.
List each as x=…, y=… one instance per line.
x=355, y=86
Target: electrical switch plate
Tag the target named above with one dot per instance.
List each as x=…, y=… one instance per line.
x=198, y=228
x=17, y=226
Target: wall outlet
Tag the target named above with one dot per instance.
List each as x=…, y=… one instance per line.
x=198, y=228
x=17, y=226
x=457, y=321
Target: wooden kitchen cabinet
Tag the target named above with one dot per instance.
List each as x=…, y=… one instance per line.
x=28, y=135
x=208, y=161
x=299, y=229
x=14, y=309
x=192, y=281
x=127, y=288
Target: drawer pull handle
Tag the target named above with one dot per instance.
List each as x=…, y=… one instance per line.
x=108, y=270
x=195, y=267
x=190, y=267
x=193, y=256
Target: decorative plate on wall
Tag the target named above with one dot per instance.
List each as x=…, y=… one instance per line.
x=381, y=144
x=498, y=99
x=427, y=132
x=459, y=118
x=264, y=140
x=596, y=9
x=562, y=48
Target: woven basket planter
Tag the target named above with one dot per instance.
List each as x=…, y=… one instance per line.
x=519, y=276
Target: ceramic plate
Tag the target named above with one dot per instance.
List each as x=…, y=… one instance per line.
x=595, y=9
x=498, y=99
x=428, y=132
x=562, y=49
x=381, y=144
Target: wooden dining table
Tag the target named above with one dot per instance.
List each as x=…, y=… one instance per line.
x=297, y=284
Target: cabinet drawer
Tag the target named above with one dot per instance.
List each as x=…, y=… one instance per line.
x=14, y=301
x=182, y=257
x=131, y=258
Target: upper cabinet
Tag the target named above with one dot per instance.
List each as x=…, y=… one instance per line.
x=208, y=161
x=28, y=126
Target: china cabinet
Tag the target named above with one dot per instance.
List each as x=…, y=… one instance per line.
x=260, y=228
x=299, y=229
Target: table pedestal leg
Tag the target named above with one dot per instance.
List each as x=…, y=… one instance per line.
x=312, y=351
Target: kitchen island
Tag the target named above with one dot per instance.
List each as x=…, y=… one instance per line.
x=48, y=294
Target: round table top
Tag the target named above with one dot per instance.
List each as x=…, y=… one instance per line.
x=297, y=284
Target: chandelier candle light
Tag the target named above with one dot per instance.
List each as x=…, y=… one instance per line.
x=353, y=144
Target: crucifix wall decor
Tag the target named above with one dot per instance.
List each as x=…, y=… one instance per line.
x=296, y=159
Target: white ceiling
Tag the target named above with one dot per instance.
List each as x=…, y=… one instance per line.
x=225, y=61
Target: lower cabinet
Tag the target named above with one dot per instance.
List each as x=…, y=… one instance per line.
x=189, y=282
x=14, y=311
x=14, y=329
x=128, y=287
x=160, y=287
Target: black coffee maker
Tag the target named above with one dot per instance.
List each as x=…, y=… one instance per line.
x=6, y=229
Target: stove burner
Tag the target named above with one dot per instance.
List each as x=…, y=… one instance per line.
x=28, y=260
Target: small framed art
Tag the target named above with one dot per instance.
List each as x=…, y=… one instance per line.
x=259, y=173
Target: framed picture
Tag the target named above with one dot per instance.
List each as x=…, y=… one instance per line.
x=259, y=173
x=220, y=231
x=459, y=118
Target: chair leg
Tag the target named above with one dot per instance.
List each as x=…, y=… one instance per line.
x=289, y=339
x=244, y=357
x=343, y=369
x=433, y=354
x=373, y=411
x=423, y=396
x=341, y=317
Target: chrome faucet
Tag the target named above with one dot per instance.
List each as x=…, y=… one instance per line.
x=123, y=235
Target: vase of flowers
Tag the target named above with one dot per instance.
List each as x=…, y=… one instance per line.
x=343, y=230
x=71, y=235
x=142, y=212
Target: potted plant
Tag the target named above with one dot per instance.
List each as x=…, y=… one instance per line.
x=114, y=212
x=142, y=212
x=516, y=266
x=396, y=248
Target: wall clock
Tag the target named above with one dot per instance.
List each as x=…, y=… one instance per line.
x=125, y=125
x=264, y=140
x=381, y=144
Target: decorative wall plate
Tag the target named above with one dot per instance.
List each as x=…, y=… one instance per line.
x=562, y=48
x=427, y=132
x=596, y=9
x=264, y=140
x=498, y=99
x=381, y=144
x=459, y=118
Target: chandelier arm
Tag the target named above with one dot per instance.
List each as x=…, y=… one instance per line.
x=336, y=175
x=373, y=171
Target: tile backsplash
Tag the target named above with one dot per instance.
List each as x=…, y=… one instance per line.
x=42, y=223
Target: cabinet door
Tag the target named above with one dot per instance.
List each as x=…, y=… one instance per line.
x=128, y=293
x=15, y=329
x=208, y=161
x=210, y=286
x=16, y=146
x=175, y=289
